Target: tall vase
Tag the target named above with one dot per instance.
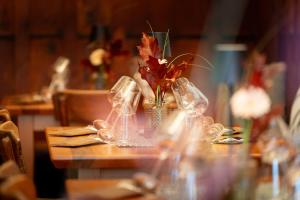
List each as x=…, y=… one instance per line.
x=100, y=82
x=153, y=117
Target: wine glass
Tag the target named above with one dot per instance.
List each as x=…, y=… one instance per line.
x=118, y=86
x=277, y=152
x=59, y=78
x=125, y=103
x=124, y=97
x=189, y=97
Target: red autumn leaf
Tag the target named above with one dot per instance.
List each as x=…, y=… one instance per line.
x=158, y=69
x=173, y=73
x=256, y=78
x=148, y=76
x=149, y=47
x=152, y=71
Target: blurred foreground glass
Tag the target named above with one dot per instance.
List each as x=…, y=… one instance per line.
x=179, y=177
x=293, y=178
x=276, y=153
x=167, y=140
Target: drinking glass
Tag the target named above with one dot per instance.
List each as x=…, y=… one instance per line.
x=177, y=163
x=124, y=103
x=277, y=152
x=59, y=78
x=124, y=97
x=189, y=97
x=168, y=137
x=118, y=86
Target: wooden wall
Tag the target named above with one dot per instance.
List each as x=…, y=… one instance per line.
x=33, y=33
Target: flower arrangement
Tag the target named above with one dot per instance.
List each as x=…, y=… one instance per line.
x=100, y=59
x=157, y=70
x=251, y=101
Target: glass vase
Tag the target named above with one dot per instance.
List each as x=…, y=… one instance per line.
x=153, y=117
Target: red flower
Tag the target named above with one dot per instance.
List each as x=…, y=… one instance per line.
x=155, y=71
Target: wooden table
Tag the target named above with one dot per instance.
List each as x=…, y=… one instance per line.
x=30, y=118
x=77, y=188
x=110, y=161
x=101, y=160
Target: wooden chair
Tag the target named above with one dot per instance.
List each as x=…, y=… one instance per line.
x=4, y=115
x=10, y=144
x=18, y=187
x=80, y=107
x=9, y=168
x=295, y=114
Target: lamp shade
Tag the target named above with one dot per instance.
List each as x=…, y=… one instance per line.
x=228, y=60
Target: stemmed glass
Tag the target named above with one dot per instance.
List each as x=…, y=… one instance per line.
x=59, y=78
x=189, y=98
x=277, y=152
x=125, y=102
x=124, y=97
x=105, y=125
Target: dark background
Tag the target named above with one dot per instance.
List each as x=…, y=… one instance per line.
x=33, y=33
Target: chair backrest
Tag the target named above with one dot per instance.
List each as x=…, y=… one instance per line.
x=80, y=107
x=18, y=187
x=4, y=115
x=9, y=168
x=10, y=144
x=295, y=113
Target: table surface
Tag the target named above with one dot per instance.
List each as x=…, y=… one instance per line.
x=99, y=155
x=76, y=188
x=15, y=109
x=111, y=156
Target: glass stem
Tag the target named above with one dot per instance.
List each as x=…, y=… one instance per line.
x=125, y=128
x=275, y=178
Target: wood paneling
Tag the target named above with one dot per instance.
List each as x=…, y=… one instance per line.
x=34, y=33
x=87, y=15
x=21, y=53
x=45, y=18
x=6, y=17
x=7, y=74
x=46, y=50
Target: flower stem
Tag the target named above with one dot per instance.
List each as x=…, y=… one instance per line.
x=165, y=44
x=191, y=54
x=150, y=28
x=247, y=130
x=158, y=97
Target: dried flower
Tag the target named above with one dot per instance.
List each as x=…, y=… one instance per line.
x=250, y=102
x=97, y=56
x=100, y=60
x=156, y=70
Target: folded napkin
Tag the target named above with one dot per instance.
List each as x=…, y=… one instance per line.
x=74, y=132
x=229, y=140
x=124, y=189
x=78, y=141
x=28, y=99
